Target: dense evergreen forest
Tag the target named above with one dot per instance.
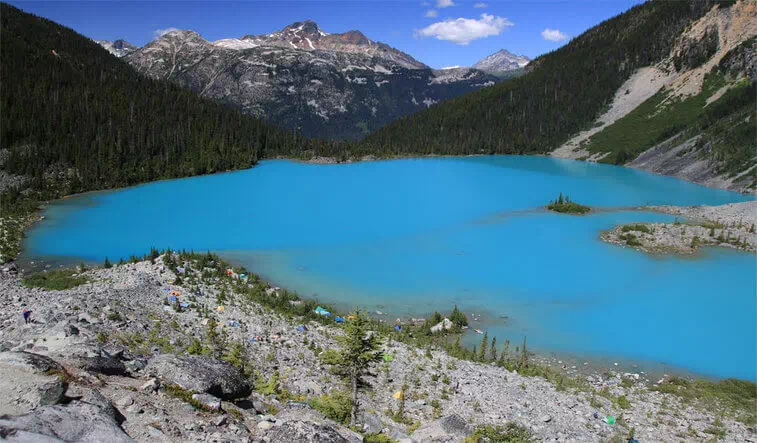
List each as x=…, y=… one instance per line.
x=75, y=118
x=562, y=93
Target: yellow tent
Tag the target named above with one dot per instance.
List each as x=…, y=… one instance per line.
x=220, y=309
x=399, y=395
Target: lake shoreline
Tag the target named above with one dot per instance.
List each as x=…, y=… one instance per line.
x=139, y=324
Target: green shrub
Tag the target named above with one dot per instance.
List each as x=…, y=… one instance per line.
x=623, y=402
x=635, y=227
x=267, y=387
x=57, y=280
x=510, y=432
x=336, y=406
x=377, y=438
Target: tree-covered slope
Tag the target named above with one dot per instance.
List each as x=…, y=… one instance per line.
x=562, y=93
x=76, y=116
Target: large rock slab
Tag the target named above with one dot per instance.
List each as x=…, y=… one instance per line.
x=449, y=428
x=76, y=421
x=307, y=431
x=201, y=374
x=307, y=425
x=28, y=381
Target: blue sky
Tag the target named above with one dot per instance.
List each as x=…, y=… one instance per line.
x=454, y=33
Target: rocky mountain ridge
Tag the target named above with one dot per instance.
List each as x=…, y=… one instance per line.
x=502, y=61
x=325, y=85
x=119, y=48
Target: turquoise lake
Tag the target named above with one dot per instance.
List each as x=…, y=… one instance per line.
x=411, y=236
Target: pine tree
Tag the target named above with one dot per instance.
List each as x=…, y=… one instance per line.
x=360, y=347
x=493, y=350
x=523, y=355
x=107, y=264
x=458, y=318
x=482, y=349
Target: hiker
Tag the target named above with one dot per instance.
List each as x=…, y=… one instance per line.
x=27, y=315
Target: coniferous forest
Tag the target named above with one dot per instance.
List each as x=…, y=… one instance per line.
x=561, y=93
x=68, y=104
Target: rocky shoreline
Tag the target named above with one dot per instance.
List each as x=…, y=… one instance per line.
x=117, y=359
x=731, y=226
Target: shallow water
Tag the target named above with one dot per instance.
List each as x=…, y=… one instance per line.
x=411, y=236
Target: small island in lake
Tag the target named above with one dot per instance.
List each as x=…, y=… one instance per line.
x=732, y=226
x=565, y=206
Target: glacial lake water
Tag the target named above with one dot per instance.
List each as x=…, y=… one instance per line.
x=407, y=237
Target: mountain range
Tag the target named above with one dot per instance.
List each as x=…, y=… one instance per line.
x=669, y=88
x=338, y=86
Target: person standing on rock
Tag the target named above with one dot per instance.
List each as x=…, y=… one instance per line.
x=27, y=316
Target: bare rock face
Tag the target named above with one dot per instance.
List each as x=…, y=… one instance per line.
x=449, y=428
x=29, y=381
x=201, y=374
x=326, y=85
x=76, y=421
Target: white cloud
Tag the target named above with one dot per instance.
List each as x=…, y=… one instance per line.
x=161, y=32
x=464, y=30
x=480, y=5
x=553, y=35
x=431, y=13
x=444, y=3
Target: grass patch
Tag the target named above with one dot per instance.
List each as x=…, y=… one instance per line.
x=510, y=432
x=185, y=395
x=58, y=280
x=635, y=227
x=378, y=438
x=739, y=397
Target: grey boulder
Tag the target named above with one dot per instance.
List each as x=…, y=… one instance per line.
x=306, y=431
x=307, y=425
x=449, y=428
x=106, y=365
x=28, y=381
x=76, y=421
x=200, y=374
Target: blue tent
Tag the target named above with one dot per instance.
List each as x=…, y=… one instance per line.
x=172, y=298
x=301, y=328
x=319, y=310
x=339, y=320
x=397, y=328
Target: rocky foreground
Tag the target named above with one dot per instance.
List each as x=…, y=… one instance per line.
x=117, y=359
x=731, y=226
